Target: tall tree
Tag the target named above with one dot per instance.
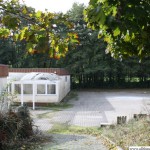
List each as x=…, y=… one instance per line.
x=125, y=25
x=85, y=60
x=40, y=30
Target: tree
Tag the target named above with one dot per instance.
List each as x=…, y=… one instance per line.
x=125, y=25
x=86, y=60
x=40, y=30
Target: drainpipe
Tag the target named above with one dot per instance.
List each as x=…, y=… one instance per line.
x=21, y=94
x=33, y=98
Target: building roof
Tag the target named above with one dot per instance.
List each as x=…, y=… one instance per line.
x=40, y=76
x=32, y=76
x=3, y=70
x=58, y=71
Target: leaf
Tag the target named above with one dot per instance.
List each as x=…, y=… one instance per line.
x=21, y=37
x=74, y=41
x=101, y=1
x=15, y=37
x=140, y=49
x=57, y=49
x=116, y=32
x=127, y=38
x=4, y=32
x=38, y=14
x=114, y=11
x=24, y=10
x=108, y=39
x=29, y=47
x=93, y=2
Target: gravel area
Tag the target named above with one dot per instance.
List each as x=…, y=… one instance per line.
x=74, y=142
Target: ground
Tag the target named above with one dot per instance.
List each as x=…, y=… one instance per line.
x=93, y=109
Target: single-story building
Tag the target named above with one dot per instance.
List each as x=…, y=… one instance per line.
x=39, y=85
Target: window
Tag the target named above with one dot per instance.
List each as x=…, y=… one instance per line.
x=51, y=89
x=27, y=89
x=41, y=89
x=17, y=88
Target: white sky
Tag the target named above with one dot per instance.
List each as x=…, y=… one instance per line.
x=53, y=5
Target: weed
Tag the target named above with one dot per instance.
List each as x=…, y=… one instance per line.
x=67, y=129
x=135, y=132
x=46, y=115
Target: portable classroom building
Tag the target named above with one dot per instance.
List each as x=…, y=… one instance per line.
x=39, y=85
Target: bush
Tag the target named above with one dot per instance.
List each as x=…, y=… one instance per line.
x=15, y=126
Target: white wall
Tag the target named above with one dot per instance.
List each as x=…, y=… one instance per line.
x=3, y=83
x=39, y=98
x=64, y=86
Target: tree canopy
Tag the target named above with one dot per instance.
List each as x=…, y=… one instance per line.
x=41, y=30
x=124, y=24
x=89, y=65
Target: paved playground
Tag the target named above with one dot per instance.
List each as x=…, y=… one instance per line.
x=96, y=108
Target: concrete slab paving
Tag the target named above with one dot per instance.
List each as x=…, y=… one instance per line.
x=94, y=108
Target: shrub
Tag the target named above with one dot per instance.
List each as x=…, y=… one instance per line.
x=15, y=125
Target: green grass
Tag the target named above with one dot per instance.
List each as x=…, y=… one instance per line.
x=58, y=106
x=134, y=133
x=67, y=129
x=46, y=115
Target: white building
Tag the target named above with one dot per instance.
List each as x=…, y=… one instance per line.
x=39, y=85
x=4, y=105
x=3, y=76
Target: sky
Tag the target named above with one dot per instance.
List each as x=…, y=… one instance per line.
x=53, y=5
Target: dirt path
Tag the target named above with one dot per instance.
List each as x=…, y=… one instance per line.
x=74, y=142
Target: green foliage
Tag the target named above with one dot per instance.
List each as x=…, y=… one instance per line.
x=15, y=125
x=67, y=129
x=123, y=24
x=41, y=31
x=91, y=66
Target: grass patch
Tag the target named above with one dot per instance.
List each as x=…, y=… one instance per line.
x=58, y=106
x=134, y=133
x=46, y=115
x=67, y=129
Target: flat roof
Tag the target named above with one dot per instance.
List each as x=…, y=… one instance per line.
x=3, y=70
x=58, y=71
